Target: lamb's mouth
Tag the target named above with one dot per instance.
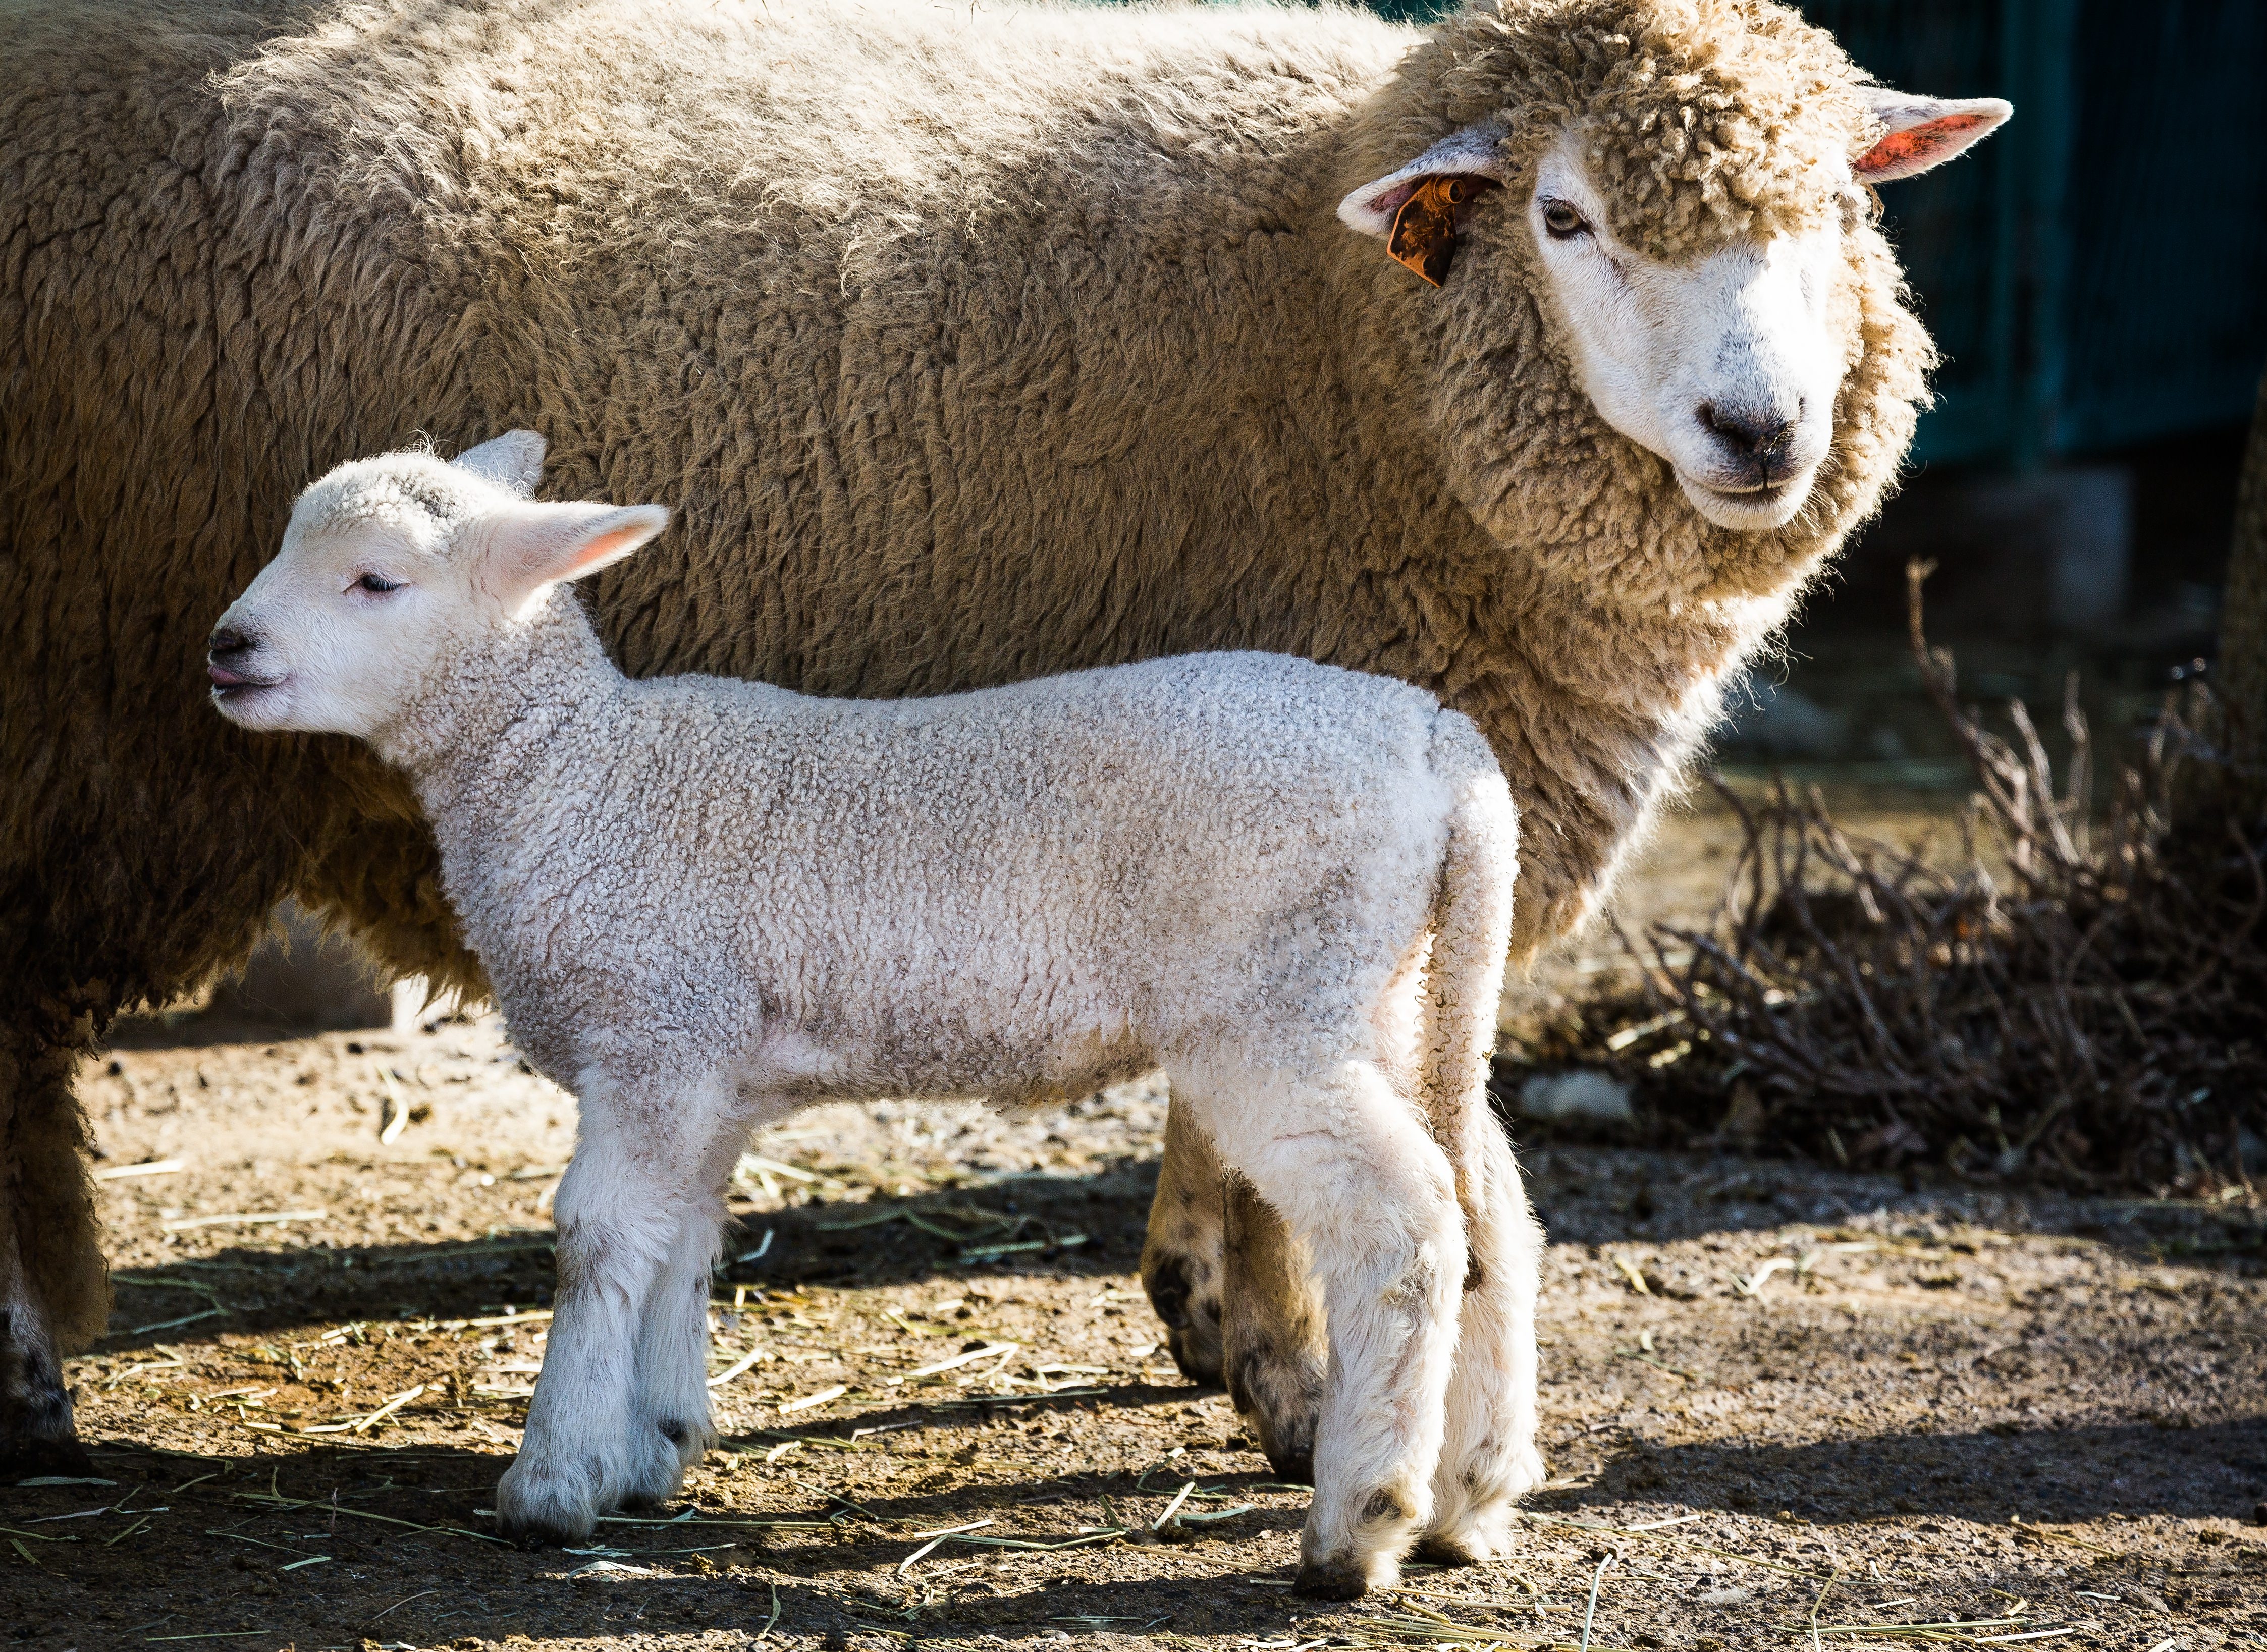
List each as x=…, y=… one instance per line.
x=231, y=686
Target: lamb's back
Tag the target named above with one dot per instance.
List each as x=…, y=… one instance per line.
x=1217, y=755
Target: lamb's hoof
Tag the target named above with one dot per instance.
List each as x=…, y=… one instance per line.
x=536, y=1508
x=1445, y=1548
x=693, y=1441
x=661, y=1458
x=1340, y=1578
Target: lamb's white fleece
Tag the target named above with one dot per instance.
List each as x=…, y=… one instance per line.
x=705, y=902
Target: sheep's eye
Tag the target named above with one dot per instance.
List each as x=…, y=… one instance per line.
x=376, y=584
x=1563, y=222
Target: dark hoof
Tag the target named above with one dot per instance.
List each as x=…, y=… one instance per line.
x=1293, y=1463
x=1330, y=1580
x=1435, y=1549
x=1192, y=1321
x=1197, y=1355
x=36, y=1460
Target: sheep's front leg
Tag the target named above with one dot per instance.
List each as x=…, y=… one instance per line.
x=1182, y=1259
x=55, y=1291
x=629, y=1211
x=1272, y=1348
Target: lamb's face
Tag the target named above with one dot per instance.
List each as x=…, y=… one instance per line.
x=393, y=570
x=336, y=633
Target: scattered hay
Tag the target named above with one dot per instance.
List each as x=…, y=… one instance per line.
x=2082, y=1001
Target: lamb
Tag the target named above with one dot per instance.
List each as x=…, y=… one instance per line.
x=976, y=344
x=703, y=902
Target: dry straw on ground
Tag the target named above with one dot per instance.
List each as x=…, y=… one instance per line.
x=2082, y=999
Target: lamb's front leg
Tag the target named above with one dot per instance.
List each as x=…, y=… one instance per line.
x=640, y=1175
x=673, y=1348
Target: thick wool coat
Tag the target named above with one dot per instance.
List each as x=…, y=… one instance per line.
x=970, y=344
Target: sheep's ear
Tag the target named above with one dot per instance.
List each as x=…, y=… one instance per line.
x=1417, y=209
x=1924, y=132
x=1471, y=153
x=512, y=460
x=534, y=545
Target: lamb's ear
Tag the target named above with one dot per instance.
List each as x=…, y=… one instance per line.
x=532, y=545
x=1924, y=132
x=512, y=460
x=1471, y=153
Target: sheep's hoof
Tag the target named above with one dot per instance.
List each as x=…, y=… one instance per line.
x=1293, y=1459
x=1192, y=1316
x=1280, y=1400
x=30, y=1457
x=1341, y=1578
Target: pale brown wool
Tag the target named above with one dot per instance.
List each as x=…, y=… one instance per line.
x=969, y=345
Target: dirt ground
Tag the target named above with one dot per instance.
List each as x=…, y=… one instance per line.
x=1782, y=1407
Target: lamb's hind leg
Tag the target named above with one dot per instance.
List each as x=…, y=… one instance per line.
x=1372, y=1196
x=641, y=1171
x=1489, y=1457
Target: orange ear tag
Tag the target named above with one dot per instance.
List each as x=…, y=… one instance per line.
x=1425, y=230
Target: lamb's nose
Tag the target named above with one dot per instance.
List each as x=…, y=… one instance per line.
x=227, y=642
x=1749, y=434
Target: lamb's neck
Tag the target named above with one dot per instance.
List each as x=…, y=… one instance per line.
x=499, y=716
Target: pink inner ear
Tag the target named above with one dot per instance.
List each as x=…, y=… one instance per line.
x=1391, y=201
x=599, y=549
x=1917, y=148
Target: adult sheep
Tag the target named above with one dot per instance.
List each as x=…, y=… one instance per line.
x=975, y=346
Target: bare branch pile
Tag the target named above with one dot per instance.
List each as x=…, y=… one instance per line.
x=2083, y=1000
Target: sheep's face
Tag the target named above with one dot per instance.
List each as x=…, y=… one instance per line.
x=393, y=570
x=1726, y=365
x=1660, y=206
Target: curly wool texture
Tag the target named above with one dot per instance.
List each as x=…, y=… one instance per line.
x=969, y=345
x=1701, y=120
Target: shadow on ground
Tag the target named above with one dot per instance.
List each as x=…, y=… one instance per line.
x=2055, y=1475
x=1050, y=1224
x=1032, y=1224
x=416, y=1515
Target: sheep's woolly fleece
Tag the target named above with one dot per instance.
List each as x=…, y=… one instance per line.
x=971, y=344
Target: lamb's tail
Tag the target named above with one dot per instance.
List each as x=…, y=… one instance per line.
x=1471, y=942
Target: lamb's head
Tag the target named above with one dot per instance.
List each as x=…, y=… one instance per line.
x=394, y=567
x=1664, y=206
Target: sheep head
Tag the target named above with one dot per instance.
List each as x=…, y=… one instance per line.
x=1668, y=257
x=391, y=567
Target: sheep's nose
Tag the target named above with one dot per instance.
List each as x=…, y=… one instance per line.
x=227, y=642
x=1750, y=434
